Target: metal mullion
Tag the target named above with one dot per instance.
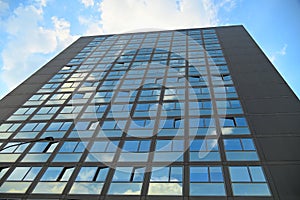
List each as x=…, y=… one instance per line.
x=186, y=136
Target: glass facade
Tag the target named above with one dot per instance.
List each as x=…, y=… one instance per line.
x=135, y=114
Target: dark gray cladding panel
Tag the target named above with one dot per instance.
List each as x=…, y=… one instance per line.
x=24, y=91
x=271, y=108
x=286, y=179
x=281, y=152
x=273, y=105
x=275, y=124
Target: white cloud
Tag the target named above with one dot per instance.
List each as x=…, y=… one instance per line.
x=281, y=52
x=129, y=15
x=42, y=3
x=3, y=7
x=93, y=27
x=87, y=3
x=138, y=15
x=227, y=5
x=29, y=42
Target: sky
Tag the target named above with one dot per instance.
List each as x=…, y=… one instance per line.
x=32, y=32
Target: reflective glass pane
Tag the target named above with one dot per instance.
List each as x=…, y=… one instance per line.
x=86, y=174
x=52, y=173
x=239, y=174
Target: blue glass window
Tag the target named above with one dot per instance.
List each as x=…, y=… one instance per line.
x=137, y=146
x=92, y=174
x=33, y=127
x=239, y=144
x=59, y=126
x=169, y=145
x=206, y=174
x=233, y=122
x=166, y=174
x=105, y=146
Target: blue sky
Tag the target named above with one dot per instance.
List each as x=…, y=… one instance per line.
x=32, y=32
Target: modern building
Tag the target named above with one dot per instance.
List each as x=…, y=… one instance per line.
x=182, y=114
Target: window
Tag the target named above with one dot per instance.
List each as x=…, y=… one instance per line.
x=59, y=98
x=202, y=122
x=233, y=121
x=128, y=174
x=47, y=110
x=125, y=96
x=141, y=123
x=172, y=109
x=69, y=112
x=91, y=174
x=89, y=180
x=73, y=147
x=196, y=80
x=14, y=149
x=225, y=92
x=113, y=124
x=19, y=180
x=24, y=174
x=127, y=180
x=163, y=178
x=22, y=114
x=169, y=145
x=95, y=111
x=206, y=174
x=43, y=147
x=54, y=180
x=33, y=127
x=59, y=126
x=86, y=125
x=49, y=87
x=145, y=107
x=45, y=113
x=136, y=146
x=103, y=96
x=202, y=104
x=110, y=82
x=248, y=181
x=40, y=152
x=240, y=149
x=204, y=150
x=149, y=95
x=89, y=84
x=203, y=107
x=169, y=151
x=198, y=91
x=105, y=146
x=57, y=174
x=135, y=151
x=229, y=104
x=67, y=69
x=59, y=77
x=9, y=127
x=146, y=110
x=36, y=99
x=171, y=123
